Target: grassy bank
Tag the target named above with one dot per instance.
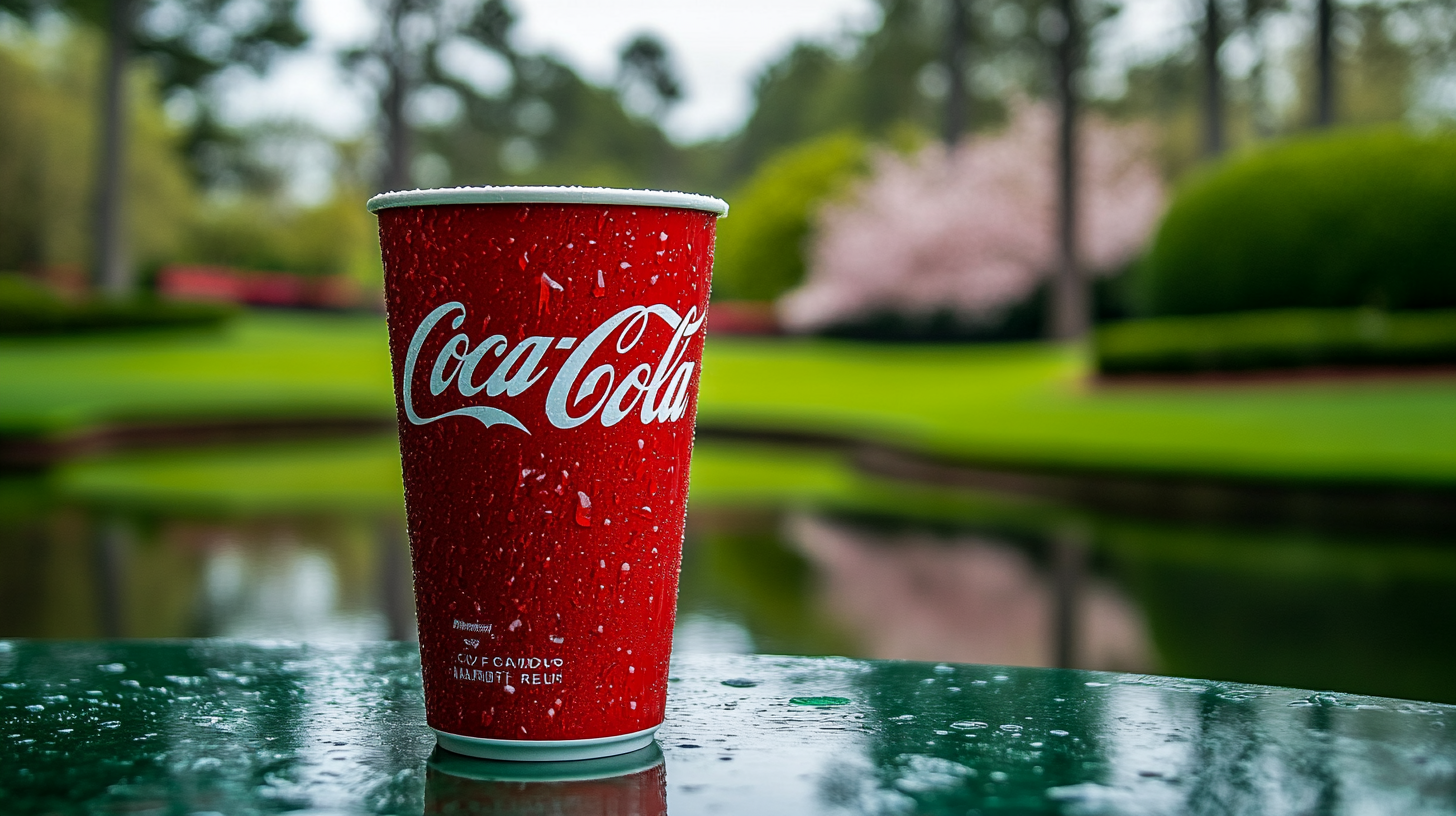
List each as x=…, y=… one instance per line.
x=1029, y=406
x=1017, y=405
x=256, y=366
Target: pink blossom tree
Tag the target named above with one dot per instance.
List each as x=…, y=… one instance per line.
x=973, y=230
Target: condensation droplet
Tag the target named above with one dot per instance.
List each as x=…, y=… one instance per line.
x=583, y=509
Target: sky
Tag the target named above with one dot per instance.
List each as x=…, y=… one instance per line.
x=718, y=48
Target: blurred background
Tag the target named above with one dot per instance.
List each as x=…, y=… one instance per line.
x=1114, y=334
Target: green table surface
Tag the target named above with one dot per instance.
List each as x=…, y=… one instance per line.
x=204, y=727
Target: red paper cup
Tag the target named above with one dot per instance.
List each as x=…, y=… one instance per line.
x=546, y=345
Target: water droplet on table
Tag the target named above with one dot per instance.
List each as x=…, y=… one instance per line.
x=819, y=701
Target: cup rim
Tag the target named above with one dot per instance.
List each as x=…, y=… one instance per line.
x=547, y=195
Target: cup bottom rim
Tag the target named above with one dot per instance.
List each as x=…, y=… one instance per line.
x=544, y=750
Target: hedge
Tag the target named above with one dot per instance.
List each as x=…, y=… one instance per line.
x=1350, y=219
x=28, y=309
x=1276, y=339
x=761, y=244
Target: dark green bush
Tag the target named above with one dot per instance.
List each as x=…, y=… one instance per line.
x=1276, y=339
x=1349, y=219
x=28, y=309
x=761, y=243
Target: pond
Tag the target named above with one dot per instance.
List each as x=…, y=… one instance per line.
x=790, y=550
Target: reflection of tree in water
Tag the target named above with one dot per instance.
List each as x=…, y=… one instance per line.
x=919, y=595
x=79, y=572
x=1294, y=607
x=736, y=566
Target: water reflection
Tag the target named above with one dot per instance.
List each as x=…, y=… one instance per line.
x=868, y=569
x=633, y=784
x=925, y=595
x=812, y=583
x=80, y=575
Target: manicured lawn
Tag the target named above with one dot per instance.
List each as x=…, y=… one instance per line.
x=1029, y=406
x=258, y=366
x=1025, y=406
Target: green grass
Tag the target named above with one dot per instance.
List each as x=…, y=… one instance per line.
x=335, y=477
x=1015, y=405
x=1028, y=406
x=365, y=475
x=257, y=366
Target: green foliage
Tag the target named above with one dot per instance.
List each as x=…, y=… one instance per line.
x=1350, y=219
x=185, y=43
x=336, y=237
x=1276, y=339
x=47, y=154
x=761, y=245
x=28, y=309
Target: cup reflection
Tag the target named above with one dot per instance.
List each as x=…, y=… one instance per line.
x=632, y=784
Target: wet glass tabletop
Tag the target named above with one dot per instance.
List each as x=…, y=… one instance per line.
x=247, y=727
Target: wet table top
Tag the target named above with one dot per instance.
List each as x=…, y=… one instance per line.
x=239, y=727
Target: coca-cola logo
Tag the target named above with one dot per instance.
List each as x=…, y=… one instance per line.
x=654, y=392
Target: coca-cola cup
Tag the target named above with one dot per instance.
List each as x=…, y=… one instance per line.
x=546, y=345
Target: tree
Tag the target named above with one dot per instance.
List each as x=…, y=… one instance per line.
x=1071, y=300
x=47, y=156
x=406, y=61
x=1324, y=63
x=186, y=42
x=646, y=77
x=955, y=66
x=973, y=230
x=1213, y=113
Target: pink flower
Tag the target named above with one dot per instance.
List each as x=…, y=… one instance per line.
x=974, y=230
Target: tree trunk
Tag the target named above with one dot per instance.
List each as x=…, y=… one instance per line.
x=397, y=138
x=111, y=272
x=1325, y=63
x=955, y=65
x=1212, y=81
x=1070, y=300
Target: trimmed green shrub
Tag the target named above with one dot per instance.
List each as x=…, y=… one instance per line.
x=1350, y=219
x=1276, y=339
x=761, y=244
x=28, y=309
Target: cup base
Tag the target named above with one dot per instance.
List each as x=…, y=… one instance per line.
x=544, y=750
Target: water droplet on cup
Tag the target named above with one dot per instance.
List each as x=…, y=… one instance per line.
x=583, y=509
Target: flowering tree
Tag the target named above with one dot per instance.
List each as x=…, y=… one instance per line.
x=973, y=230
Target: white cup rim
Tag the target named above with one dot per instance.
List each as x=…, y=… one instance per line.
x=547, y=195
